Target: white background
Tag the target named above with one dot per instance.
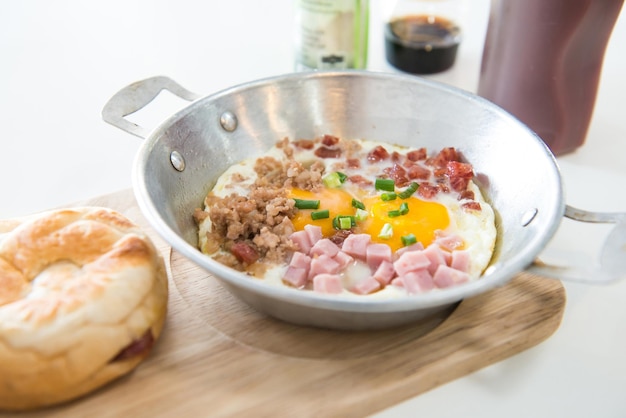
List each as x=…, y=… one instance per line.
x=60, y=61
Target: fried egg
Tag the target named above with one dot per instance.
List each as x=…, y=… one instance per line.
x=393, y=216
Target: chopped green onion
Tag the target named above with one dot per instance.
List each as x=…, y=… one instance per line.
x=345, y=223
x=408, y=240
x=357, y=204
x=307, y=204
x=394, y=213
x=361, y=214
x=404, y=208
x=386, y=232
x=334, y=179
x=388, y=196
x=409, y=190
x=385, y=184
x=320, y=214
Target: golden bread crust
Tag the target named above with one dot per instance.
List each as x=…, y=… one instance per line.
x=77, y=287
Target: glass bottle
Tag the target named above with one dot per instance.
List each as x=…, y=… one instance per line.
x=331, y=34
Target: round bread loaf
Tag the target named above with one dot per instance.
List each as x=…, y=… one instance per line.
x=83, y=297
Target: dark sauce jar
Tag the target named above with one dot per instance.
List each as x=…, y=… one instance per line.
x=421, y=44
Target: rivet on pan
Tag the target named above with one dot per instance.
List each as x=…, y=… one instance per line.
x=528, y=217
x=228, y=120
x=177, y=160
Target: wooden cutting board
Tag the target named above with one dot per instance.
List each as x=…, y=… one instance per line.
x=218, y=357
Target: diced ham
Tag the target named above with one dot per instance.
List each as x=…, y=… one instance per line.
x=324, y=246
x=343, y=259
x=436, y=256
x=301, y=239
x=385, y=273
x=296, y=276
x=418, y=281
x=327, y=283
x=314, y=232
x=366, y=286
x=300, y=260
x=449, y=242
x=446, y=276
x=418, y=246
x=323, y=264
x=460, y=260
x=376, y=254
x=356, y=245
x=397, y=282
x=411, y=261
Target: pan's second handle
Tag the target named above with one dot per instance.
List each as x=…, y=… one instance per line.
x=611, y=263
x=135, y=97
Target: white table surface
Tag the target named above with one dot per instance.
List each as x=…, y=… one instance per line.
x=60, y=61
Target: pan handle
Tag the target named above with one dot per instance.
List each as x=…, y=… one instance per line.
x=611, y=263
x=135, y=97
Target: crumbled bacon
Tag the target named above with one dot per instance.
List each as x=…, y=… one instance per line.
x=418, y=172
x=326, y=152
x=417, y=155
x=458, y=169
x=459, y=174
x=472, y=205
x=339, y=236
x=427, y=190
x=244, y=252
x=441, y=159
x=466, y=195
x=398, y=174
x=459, y=183
x=378, y=153
x=304, y=143
x=358, y=179
x=353, y=162
x=330, y=140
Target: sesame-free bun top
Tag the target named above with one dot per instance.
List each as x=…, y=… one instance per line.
x=83, y=297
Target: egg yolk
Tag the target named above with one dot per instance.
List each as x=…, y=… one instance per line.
x=337, y=201
x=422, y=220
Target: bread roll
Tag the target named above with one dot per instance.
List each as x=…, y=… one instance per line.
x=83, y=297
